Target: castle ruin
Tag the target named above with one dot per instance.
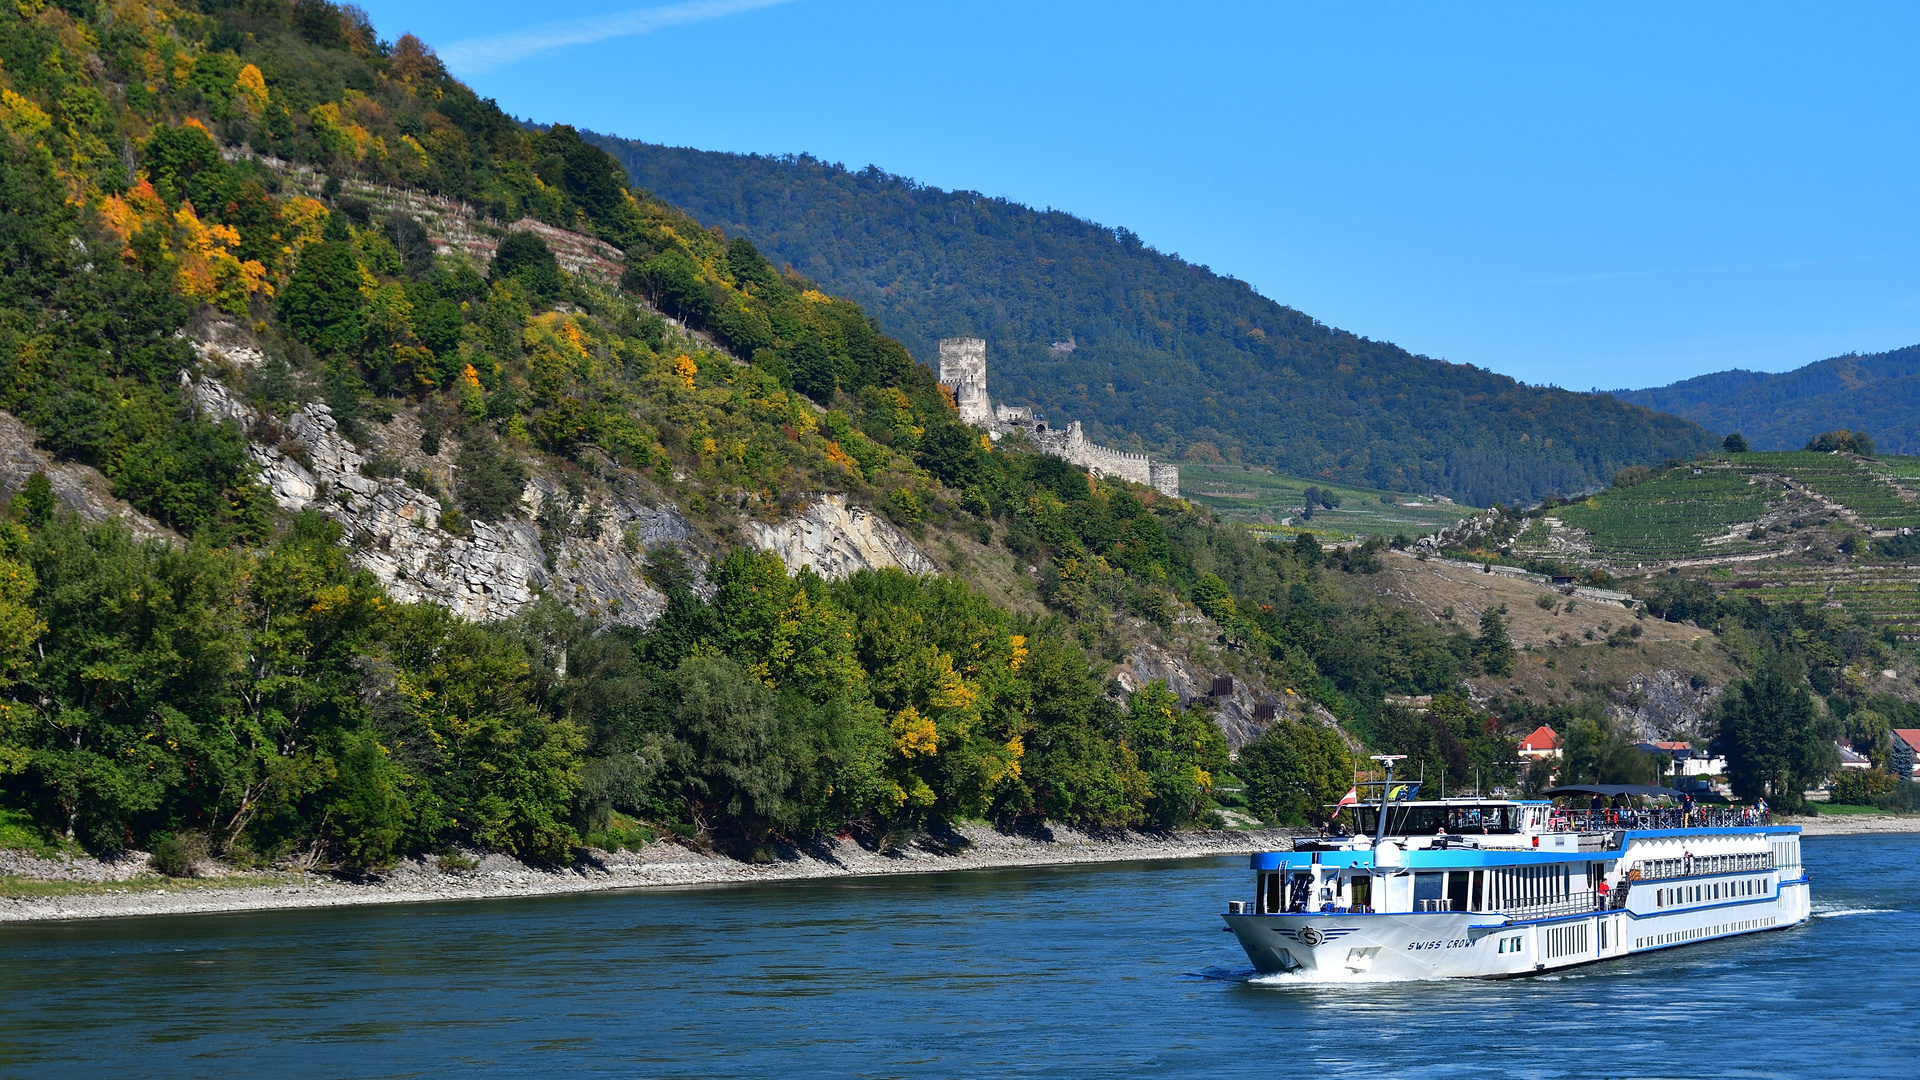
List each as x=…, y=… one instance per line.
x=963, y=370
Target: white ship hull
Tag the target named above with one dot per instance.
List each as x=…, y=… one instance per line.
x=1486, y=889
x=1483, y=945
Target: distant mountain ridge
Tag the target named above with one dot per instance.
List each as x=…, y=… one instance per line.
x=1168, y=357
x=1878, y=393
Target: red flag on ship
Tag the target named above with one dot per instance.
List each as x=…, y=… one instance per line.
x=1351, y=798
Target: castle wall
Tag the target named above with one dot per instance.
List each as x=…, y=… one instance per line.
x=963, y=370
x=1164, y=478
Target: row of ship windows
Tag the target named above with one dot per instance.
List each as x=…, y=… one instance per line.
x=1697, y=933
x=1711, y=891
x=1566, y=940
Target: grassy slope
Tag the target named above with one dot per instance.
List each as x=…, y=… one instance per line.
x=1260, y=497
x=1558, y=661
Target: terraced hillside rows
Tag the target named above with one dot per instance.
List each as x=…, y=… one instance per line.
x=1680, y=516
x=1797, y=504
x=1887, y=596
x=1272, y=504
x=1827, y=531
x=1862, y=488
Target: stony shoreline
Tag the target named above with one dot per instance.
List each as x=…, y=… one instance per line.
x=662, y=865
x=1853, y=824
x=659, y=865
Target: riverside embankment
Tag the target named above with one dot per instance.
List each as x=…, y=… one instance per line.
x=49, y=889
x=84, y=888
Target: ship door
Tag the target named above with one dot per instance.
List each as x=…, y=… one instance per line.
x=1273, y=902
x=1457, y=891
x=1360, y=891
x=1479, y=895
x=1300, y=892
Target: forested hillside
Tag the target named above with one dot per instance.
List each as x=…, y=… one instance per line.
x=249, y=685
x=1878, y=393
x=1167, y=357
x=211, y=279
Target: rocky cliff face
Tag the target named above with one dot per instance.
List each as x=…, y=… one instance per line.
x=79, y=488
x=488, y=570
x=1236, y=713
x=836, y=540
x=1666, y=704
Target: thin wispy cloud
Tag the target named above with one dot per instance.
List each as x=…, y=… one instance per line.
x=479, y=54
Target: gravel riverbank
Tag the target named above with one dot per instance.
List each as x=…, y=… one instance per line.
x=1849, y=824
x=662, y=864
x=973, y=847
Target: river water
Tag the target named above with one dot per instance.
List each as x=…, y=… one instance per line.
x=1117, y=970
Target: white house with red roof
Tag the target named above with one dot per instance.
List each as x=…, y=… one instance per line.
x=1542, y=744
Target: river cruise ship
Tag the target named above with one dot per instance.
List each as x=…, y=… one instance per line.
x=1499, y=888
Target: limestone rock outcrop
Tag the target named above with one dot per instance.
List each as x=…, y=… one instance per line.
x=81, y=489
x=1237, y=713
x=1667, y=704
x=836, y=540
x=487, y=571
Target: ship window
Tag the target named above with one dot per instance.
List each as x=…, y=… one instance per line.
x=1362, y=892
x=1479, y=897
x=1457, y=891
x=1427, y=889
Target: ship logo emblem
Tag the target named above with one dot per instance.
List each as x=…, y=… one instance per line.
x=1313, y=936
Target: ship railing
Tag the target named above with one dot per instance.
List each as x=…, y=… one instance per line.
x=1580, y=904
x=1715, y=817
x=1746, y=862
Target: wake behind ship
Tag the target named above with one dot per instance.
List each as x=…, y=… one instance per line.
x=1497, y=888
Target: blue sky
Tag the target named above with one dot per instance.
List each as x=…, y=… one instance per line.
x=1611, y=196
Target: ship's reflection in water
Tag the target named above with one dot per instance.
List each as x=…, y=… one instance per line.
x=1070, y=972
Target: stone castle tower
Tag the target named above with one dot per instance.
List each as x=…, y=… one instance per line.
x=963, y=370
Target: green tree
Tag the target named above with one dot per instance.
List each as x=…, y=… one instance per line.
x=322, y=306
x=310, y=619
x=141, y=644
x=1180, y=750
x=1596, y=751
x=525, y=257
x=1775, y=744
x=1493, y=649
x=36, y=501
x=1294, y=771
x=743, y=761
x=490, y=478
